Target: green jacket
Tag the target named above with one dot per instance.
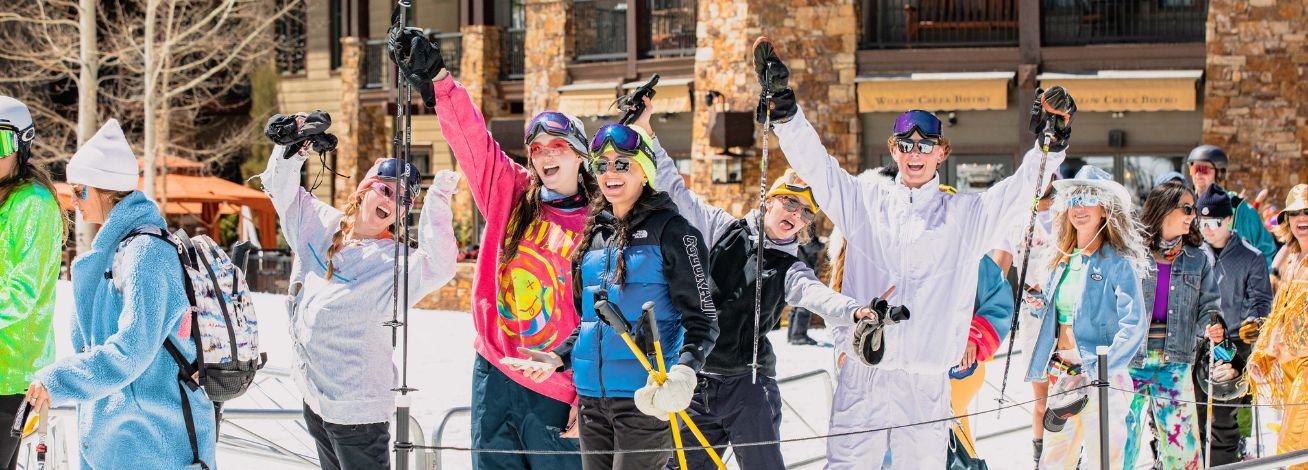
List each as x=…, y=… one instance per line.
x=1250, y=225
x=31, y=239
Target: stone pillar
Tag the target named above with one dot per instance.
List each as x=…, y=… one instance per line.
x=817, y=40
x=479, y=70
x=348, y=126
x=550, y=36
x=1256, y=93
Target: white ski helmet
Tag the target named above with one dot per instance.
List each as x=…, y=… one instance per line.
x=14, y=114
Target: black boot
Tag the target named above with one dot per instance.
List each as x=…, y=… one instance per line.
x=1038, y=447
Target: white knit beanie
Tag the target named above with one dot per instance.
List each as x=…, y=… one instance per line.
x=106, y=161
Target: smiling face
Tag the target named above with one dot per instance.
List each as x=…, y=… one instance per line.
x=1215, y=231
x=376, y=210
x=782, y=223
x=916, y=168
x=556, y=163
x=1086, y=219
x=1298, y=224
x=620, y=188
x=1178, y=221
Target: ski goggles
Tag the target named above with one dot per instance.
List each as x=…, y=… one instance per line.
x=601, y=166
x=624, y=140
x=792, y=204
x=918, y=121
x=1083, y=200
x=9, y=138
x=1209, y=223
x=923, y=146
x=556, y=124
x=1202, y=169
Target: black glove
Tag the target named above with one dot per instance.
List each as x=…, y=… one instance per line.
x=1058, y=105
x=774, y=77
x=419, y=60
x=287, y=131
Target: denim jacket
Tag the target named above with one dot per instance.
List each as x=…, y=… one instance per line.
x=1110, y=313
x=1192, y=300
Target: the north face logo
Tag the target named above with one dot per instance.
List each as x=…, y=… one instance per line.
x=640, y=234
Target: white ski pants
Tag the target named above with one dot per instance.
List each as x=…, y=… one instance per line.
x=868, y=398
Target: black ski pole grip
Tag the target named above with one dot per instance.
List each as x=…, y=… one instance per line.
x=636, y=100
x=648, y=311
x=609, y=312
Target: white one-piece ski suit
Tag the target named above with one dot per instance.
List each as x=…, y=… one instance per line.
x=925, y=243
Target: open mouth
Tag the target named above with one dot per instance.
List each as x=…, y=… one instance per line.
x=551, y=170
x=614, y=184
x=1303, y=226
x=787, y=226
x=915, y=167
x=382, y=213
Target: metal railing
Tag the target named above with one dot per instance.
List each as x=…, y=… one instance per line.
x=897, y=24
x=1080, y=22
x=672, y=28
x=602, y=31
x=513, y=65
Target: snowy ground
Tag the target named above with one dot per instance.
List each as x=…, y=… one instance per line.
x=441, y=359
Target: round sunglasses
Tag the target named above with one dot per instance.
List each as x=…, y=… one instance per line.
x=601, y=166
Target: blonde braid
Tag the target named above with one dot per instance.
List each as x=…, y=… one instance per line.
x=347, y=223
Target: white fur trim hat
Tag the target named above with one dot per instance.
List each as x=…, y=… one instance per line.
x=106, y=161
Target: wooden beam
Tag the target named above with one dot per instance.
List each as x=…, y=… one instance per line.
x=887, y=61
x=1124, y=57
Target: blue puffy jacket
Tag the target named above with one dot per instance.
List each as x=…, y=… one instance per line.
x=125, y=385
x=666, y=264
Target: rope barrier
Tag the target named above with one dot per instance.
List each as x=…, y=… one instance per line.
x=740, y=445
x=1215, y=403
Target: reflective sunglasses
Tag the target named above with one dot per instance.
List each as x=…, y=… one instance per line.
x=923, y=146
x=553, y=123
x=791, y=204
x=8, y=141
x=1209, y=223
x=555, y=148
x=1202, y=169
x=623, y=139
x=601, y=166
x=920, y=121
x=1187, y=209
x=1083, y=200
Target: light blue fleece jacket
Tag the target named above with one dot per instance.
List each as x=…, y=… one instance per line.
x=129, y=407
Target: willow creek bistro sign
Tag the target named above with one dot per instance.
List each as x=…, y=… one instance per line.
x=932, y=91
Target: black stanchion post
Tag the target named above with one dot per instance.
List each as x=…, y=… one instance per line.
x=1102, y=383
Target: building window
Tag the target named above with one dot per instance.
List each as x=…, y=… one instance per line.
x=672, y=28
x=601, y=29
x=335, y=30
x=289, y=30
x=726, y=170
x=511, y=16
x=971, y=174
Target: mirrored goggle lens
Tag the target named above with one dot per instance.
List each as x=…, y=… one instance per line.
x=923, y=146
x=923, y=122
x=1083, y=200
x=601, y=166
x=556, y=124
x=623, y=139
x=8, y=142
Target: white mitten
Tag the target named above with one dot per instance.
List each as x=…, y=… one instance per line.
x=1224, y=372
x=644, y=399
x=676, y=392
x=444, y=183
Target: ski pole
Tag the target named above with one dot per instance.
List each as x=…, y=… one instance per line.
x=400, y=286
x=609, y=313
x=1212, y=360
x=1026, y=252
x=648, y=311
x=758, y=224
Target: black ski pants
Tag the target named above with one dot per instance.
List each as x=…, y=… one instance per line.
x=616, y=424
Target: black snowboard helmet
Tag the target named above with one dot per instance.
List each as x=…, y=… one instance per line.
x=1211, y=154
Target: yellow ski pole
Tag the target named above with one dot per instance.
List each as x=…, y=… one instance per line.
x=648, y=311
x=609, y=313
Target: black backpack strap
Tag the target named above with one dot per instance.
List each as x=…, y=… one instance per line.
x=190, y=427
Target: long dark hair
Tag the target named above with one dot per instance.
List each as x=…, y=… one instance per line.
x=1162, y=201
x=527, y=208
x=27, y=172
x=621, y=236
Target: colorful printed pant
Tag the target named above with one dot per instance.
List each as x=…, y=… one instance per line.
x=1063, y=449
x=1175, y=419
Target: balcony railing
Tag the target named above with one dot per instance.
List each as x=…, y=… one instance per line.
x=514, y=57
x=899, y=24
x=377, y=65
x=602, y=29
x=1080, y=22
x=672, y=28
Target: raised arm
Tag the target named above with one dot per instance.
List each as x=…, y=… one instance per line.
x=491, y=173
x=297, y=210
x=1007, y=205
x=838, y=193
x=434, y=260
x=708, y=219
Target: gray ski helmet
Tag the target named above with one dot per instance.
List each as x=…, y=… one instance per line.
x=15, y=113
x=1208, y=153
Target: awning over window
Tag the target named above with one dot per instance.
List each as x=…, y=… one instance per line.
x=964, y=91
x=671, y=95
x=1129, y=90
x=589, y=99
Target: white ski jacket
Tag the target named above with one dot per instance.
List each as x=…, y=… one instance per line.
x=924, y=242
